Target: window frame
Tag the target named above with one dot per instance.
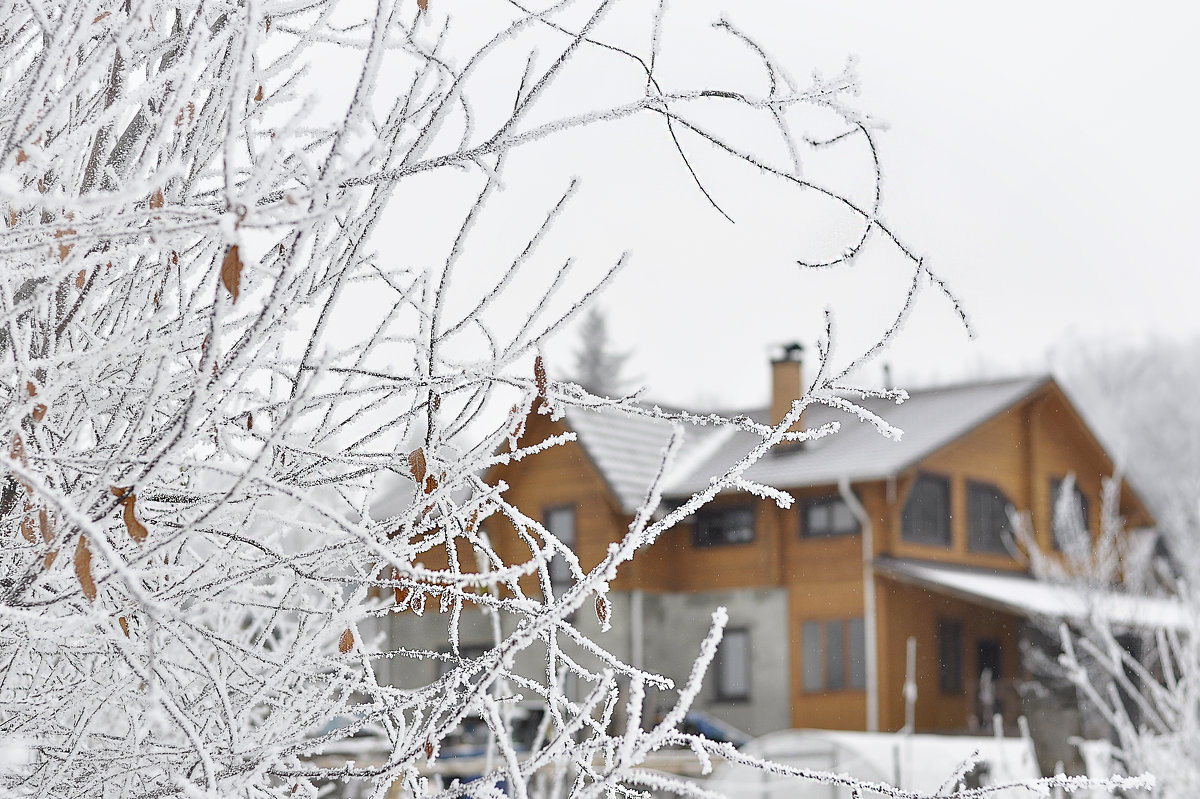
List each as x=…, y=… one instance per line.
x=721, y=666
x=848, y=679
x=974, y=537
x=830, y=501
x=947, y=518
x=709, y=512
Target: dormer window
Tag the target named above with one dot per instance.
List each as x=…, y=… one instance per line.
x=826, y=517
x=987, y=518
x=926, y=518
x=725, y=524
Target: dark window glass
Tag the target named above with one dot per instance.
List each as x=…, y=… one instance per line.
x=733, y=524
x=926, y=518
x=827, y=516
x=990, y=658
x=856, y=671
x=733, y=665
x=560, y=522
x=950, y=656
x=1080, y=510
x=987, y=518
x=814, y=679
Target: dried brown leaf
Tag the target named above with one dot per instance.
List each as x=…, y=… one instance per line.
x=48, y=561
x=603, y=611
x=21, y=157
x=231, y=272
x=258, y=95
x=83, y=568
x=12, y=218
x=157, y=199
x=81, y=279
x=27, y=529
x=268, y=23
x=64, y=249
x=539, y=376
x=423, y=5
x=102, y=16
x=137, y=530
x=346, y=642
x=124, y=625
x=416, y=464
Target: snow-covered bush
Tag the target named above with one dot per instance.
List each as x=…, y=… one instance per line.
x=1130, y=649
x=193, y=550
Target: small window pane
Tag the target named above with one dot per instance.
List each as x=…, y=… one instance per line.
x=811, y=642
x=856, y=675
x=560, y=522
x=733, y=665
x=926, y=517
x=828, y=516
x=987, y=518
x=835, y=656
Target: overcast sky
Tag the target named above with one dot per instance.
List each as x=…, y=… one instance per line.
x=1039, y=155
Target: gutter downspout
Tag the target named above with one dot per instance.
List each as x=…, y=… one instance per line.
x=868, y=560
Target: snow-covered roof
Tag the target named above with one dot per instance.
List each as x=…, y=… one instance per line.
x=1026, y=596
x=627, y=450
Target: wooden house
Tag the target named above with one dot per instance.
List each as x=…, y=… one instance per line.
x=887, y=542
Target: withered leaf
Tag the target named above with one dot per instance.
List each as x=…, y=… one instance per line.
x=416, y=464
x=124, y=625
x=423, y=5
x=83, y=568
x=102, y=16
x=48, y=561
x=44, y=524
x=64, y=249
x=12, y=218
x=268, y=23
x=249, y=421
x=231, y=272
x=81, y=279
x=539, y=376
x=603, y=611
x=21, y=157
x=157, y=199
x=27, y=529
x=346, y=642
x=258, y=95
x=137, y=531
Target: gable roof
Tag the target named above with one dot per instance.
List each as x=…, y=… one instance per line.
x=628, y=449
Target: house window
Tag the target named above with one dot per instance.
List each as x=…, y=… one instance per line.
x=834, y=655
x=1079, y=510
x=950, y=656
x=560, y=522
x=730, y=524
x=733, y=666
x=926, y=517
x=826, y=517
x=987, y=518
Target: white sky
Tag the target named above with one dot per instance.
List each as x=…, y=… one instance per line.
x=1039, y=155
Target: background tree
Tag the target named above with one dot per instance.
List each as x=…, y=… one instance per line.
x=598, y=367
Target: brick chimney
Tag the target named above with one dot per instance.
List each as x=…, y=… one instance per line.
x=787, y=382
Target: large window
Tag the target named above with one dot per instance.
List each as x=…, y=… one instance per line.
x=834, y=654
x=733, y=665
x=825, y=517
x=926, y=518
x=728, y=524
x=1079, y=509
x=950, y=656
x=560, y=522
x=987, y=518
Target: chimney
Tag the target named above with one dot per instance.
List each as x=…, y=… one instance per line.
x=787, y=382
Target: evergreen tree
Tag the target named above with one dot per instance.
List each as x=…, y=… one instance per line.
x=598, y=367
